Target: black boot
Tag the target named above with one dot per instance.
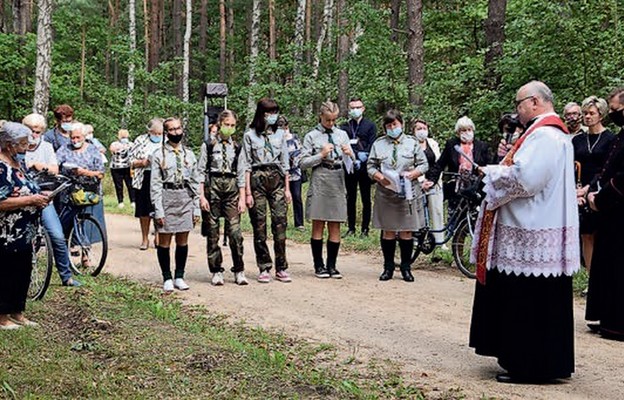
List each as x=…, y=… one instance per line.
x=407, y=248
x=317, y=255
x=332, y=255
x=388, y=247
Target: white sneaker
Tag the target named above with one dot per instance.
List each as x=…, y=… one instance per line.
x=217, y=279
x=120, y=205
x=180, y=284
x=133, y=205
x=168, y=286
x=239, y=278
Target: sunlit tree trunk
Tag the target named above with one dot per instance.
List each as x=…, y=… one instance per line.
x=253, y=53
x=299, y=37
x=272, y=30
x=415, y=51
x=187, y=51
x=341, y=57
x=132, y=42
x=494, y=38
x=44, y=57
x=325, y=28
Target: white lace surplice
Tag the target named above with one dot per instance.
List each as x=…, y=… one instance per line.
x=536, y=226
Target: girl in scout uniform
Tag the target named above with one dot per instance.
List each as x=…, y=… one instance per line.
x=222, y=194
x=391, y=212
x=175, y=194
x=325, y=150
x=266, y=186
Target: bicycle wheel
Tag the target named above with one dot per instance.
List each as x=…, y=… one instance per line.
x=462, y=242
x=88, y=246
x=42, y=264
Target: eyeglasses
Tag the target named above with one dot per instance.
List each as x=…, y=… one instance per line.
x=518, y=102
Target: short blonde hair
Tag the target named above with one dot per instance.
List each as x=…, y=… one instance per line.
x=34, y=120
x=329, y=107
x=600, y=104
x=123, y=133
x=464, y=123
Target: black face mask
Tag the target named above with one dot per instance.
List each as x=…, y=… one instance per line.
x=617, y=117
x=174, y=138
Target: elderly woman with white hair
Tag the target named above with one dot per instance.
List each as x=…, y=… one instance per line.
x=452, y=161
x=591, y=150
x=20, y=206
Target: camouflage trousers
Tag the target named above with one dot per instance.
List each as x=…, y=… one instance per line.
x=222, y=194
x=267, y=186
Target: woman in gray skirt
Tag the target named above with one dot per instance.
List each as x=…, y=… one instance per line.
x=175, y=195
x=403, y=157
x=325, y=150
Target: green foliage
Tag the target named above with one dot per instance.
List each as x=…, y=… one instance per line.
x=575, y=46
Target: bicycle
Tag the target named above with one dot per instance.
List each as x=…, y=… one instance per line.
x=459, y=227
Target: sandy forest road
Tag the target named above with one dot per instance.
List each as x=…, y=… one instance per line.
x=423, y=326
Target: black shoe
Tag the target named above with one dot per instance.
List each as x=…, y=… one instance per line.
x=334, y=273
x=321, y=272
x=508, y=378
x=386, y=275
x=407, y=275
x=364, y=233
x=594, y=327
x=350, y=232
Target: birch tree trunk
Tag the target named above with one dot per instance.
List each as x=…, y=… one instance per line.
x=308, y=30
x=341, y=57
x=494, y=38
x=253, y=54
x=272, y=53
x=222, y=40
x=187, y=51
x=132, y=32
x=298, y=40
x=415, y=51
x=327, y=17
x=44, y=57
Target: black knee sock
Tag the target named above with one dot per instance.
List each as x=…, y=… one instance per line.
x=181, y=254
x=317, y=252
x=332, y=254
x=407, y=248
x=164, y=260
x=387, y=248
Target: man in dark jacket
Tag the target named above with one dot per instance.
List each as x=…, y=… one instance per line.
x=362, y=133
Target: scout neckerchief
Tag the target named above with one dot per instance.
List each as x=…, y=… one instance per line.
x=330, y=140
x=488, y=217
x=267, y=143
x=395, y=151
x=178, y=156
x=224, y=143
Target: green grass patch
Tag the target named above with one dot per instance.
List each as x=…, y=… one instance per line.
x=113, y=338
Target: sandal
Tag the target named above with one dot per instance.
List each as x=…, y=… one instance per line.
x=144, y=246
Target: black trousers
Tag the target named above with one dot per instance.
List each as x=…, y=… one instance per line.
x=297, y=202
x=359, y=177
x=121, y=175
x=15, y=270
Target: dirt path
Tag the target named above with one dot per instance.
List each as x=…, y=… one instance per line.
x=423, y=326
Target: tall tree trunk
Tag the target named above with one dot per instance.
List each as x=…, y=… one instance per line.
x=341, y=57
x=2, y=17
x=112, y=18
x=22, y=14
x=155, y=30
x=177, y=42
x=132, y=33
x=146, y=34
x=394, y=20
x=253, y=54
x=230, y=33
x=83, y=51
x=327, y=17
x=415, y=51
x=300, y=19
x=222, y=40
x=494, y=38
x=44, y=57
x=272, y=55
x=187, y=51
x=308, y=31
x=203, y=26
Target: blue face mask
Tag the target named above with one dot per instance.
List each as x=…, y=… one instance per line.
x=20, y=157
x=355, y=113
x=155, y=138
x=271, y=119
x=66, y=126
x=394, y=133
x=124, y=140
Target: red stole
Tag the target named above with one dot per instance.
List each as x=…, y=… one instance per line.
x=488, y=217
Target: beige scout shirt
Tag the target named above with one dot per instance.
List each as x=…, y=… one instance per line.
x=401, y=154
x=265, y=149
x=223, y=156
x=315, y=140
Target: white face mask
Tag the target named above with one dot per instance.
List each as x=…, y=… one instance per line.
x=466, y=136
x=89, y=136
x=34, y=142
x=421, y=135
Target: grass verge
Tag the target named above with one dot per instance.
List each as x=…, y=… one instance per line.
x=118, y=339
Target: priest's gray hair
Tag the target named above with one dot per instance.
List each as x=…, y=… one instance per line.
x=12, y=132
x=539, y=89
